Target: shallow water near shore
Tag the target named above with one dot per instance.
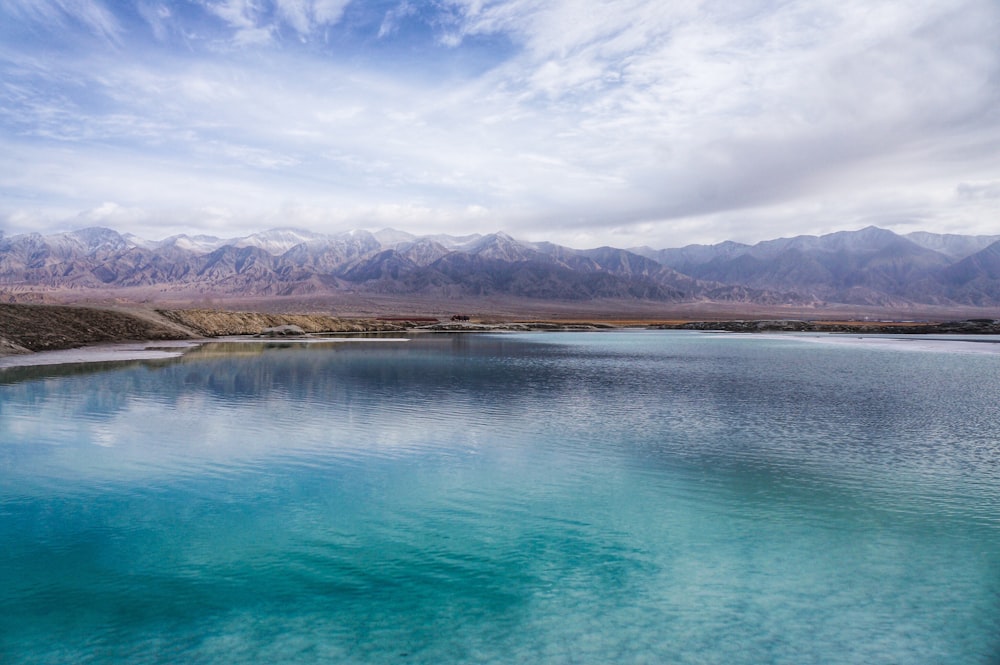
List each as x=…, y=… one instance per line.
x=628, y=497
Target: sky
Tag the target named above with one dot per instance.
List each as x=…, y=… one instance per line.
x=582, y=122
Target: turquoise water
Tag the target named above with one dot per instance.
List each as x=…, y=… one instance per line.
x=626, y=497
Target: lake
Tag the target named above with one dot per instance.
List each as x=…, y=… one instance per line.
x=603, y=497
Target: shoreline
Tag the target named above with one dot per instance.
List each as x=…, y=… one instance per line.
x=151, y=350
x=155, y=350
x=68, y=334
x=967, y=327
x=99, y=353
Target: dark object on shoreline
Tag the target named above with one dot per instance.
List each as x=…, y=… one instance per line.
x=288, y=330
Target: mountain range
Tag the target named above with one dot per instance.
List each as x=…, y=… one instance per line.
x=871, y=266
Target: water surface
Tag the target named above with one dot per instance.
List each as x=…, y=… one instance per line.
x=632, y=497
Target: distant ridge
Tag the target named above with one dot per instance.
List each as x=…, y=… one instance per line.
x=871, y=266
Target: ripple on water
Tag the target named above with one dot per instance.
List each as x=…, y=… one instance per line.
x=571, y=498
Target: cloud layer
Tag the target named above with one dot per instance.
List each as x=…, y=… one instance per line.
x=634, y=122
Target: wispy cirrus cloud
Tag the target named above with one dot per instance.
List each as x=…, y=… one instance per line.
x=392, y=18
x=92, y=15
x=245, y=19
x=255, y=22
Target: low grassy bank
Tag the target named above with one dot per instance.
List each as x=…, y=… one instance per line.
x=217, y=323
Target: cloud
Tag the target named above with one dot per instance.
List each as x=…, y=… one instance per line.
x=110, y=214
x=328, y=12
x=158, y=17
x=393, y=17
x=296, y=14
x=978, y=191
x=306, y=16
x=245, y=18
x=257, y=22
x=715, y=112
x=62, y=14
x=589, y=120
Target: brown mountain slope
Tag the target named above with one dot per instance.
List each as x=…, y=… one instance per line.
x=25, y=328
x=51, y=327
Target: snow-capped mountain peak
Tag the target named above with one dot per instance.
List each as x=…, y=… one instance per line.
x=277, y=241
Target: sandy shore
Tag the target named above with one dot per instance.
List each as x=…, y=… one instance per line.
x=100, y=353
x=161, y=350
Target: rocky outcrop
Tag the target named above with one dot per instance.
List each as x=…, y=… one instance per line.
x=8, y=348
x=288, y=330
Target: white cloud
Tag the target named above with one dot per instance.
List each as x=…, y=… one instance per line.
x=393, y=17
x=158, y=17
x=112, y=215
x=240, y=14
x=296, y=14
x=246, y=20
x=255, y=22
x=305, y=16
x=633, y=119
x=328, y=12
x=978, y=191
x=92, y=14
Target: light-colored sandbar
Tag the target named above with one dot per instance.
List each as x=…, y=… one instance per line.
x=978, y=344
x=157, y=350
x=101, y=353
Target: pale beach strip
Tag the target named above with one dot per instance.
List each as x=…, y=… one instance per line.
x=158, y=350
